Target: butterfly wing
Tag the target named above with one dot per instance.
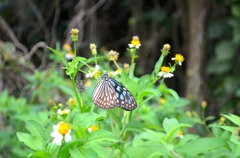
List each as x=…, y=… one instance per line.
x=125, y=99
x=104, y=95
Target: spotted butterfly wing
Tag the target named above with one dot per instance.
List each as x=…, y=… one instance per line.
x=109, y=94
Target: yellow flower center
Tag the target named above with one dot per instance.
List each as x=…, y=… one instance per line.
x=72, y=101
x=88, y=83
x=64, y=128
x=165, y=69
x=179, y=58
x=119, y=71
x=180, y=133
x=135, y=41
x=94, y=128
x=222, y=119
x=67, y=47
x=162, y=101
x=64, y=112
x=71, y=53
x=97, y=73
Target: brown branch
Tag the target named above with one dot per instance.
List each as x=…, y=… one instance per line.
x=34, y=49
x=5, y=27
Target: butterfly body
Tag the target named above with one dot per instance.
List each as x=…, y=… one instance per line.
x=109, y=94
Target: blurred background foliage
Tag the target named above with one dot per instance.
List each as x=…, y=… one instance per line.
x=207, y=32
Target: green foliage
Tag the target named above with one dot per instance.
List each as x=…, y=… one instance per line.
x=157, y=128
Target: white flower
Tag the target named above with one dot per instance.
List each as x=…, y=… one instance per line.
x=93, y=72
x=135, y=43
x=69, y=55
x=59, y=131
x=165, y=74
x=93, y=128
x=63, y=112
x=180, y=134
x=179, y=59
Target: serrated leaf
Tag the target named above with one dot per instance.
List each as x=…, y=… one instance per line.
x=233, y=118
x=85, y=120
x=201, y=145
x=31, y=141
x=36, y=129
x=102, y=135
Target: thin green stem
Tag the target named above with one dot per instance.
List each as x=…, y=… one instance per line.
x=116, y=64
x=126, y=134
x=133, y=56
x=75, y=48
x=76, y=94
x=204, y=122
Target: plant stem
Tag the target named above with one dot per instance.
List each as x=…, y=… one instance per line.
x=126, y=133
x=76, y=94
x=75, y=48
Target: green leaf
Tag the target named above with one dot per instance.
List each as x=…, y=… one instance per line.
x=201, y=145
x=77, y=153
x=85, y=120
x=170, y=124
x=101, y=136
x=36, y=129
x=229, y=128
x=59, y=55
x=233, y=118
x=102, y=151
x=31, y=141
x=172, y=92
x=158, y=65
x=146, y=92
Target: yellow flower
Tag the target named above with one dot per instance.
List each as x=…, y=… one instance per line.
x=166, y=47
x=180, y=134
x=71, y=103
x=93, y=72
x=88, y=83
x=60, y=104
x=165, y=72
x=63, y=112
x=67, y=47
x=75, y=32
x=59, y=131
x=222, y=120
x=203, y=104
x=112, y=55
x=93, y=128
x=188, y=113
x=135, y=43
x=69, y=55
x=162, y=101
x=93, y=49
x=179, y=59
x=126, y=67
x=74, y=35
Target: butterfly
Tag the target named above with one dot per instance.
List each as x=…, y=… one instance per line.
x=109, y=93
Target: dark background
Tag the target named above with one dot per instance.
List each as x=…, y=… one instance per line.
x=206, y=32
